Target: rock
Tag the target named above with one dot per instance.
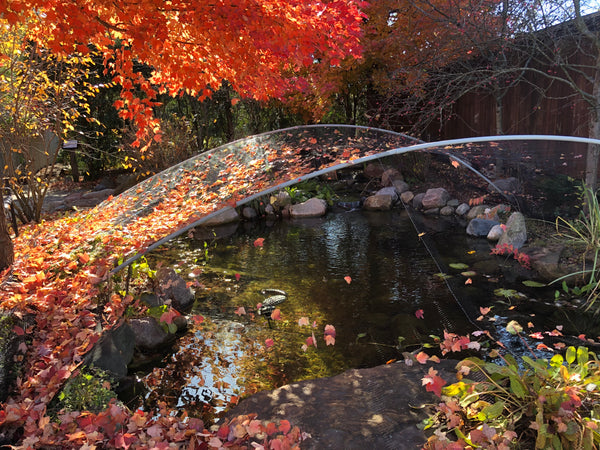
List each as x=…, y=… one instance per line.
x=401, y=186
x=225, y=215
x=269, y=210
x=172, y=287
x=462, y=209
x=314, y=207
x=374, y=170
x=447, y=211
x=495, y=233
x=281, y=200
x=124, y=182
x=407, y=196
x=546, y=261
x=208, y=233
x=249, y=213
x=417, y=201
x=453, y=202
x=98, y=195
x=366, y=408
x=480, y=227
x=378, y=203
x=149, y=335
x=477, y=211
x=432, y=212
x=435, y=198
x=389, y=176
x=506, y=185
x=114, y=351
x=516, y=231
x=150, y=299
x=389, y=191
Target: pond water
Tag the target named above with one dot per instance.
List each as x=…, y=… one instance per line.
x=235, y=352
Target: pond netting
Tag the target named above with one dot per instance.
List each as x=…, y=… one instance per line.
x=539, y=176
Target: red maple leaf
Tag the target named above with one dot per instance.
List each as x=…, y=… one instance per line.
x=433, y=382
x=419, y=314
x=259, y=242
x=168, y=316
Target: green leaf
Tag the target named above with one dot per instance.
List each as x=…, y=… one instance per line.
x=517, y=387
x=468, y=273
x=513, y=327
x=493, y=411
x=532, y=283
x=571, y=354
x=583, y=355
x=458, y=266
x=556, y=361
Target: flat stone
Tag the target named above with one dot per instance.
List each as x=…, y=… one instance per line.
x=376, y=408
x=149, y=335
x=453, y=202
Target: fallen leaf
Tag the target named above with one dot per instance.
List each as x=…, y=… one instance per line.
x=276, y=314
x=303, y=321
x=419, y=314
x=237, y=276
x=269, y=342
x=422, y=357
x=348, y=279
x=240, y=311
x=433, y=382
x=259, y=242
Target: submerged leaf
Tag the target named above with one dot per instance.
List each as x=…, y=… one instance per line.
x=458, y=266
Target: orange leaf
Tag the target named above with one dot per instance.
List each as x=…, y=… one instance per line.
x=259, y=242
x=348, y=279
x=422, y=357
x=84, y=258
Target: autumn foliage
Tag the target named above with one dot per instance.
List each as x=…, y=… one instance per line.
x=183, y=46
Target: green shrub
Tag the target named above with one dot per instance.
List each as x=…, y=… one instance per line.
x=534, y=404
x=90, y=390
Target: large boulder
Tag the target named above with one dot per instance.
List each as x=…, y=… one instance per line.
x=373, y=408
x=515, y=234
x=149, y=335
x=389, y=191
x=114, y=351
x=435, y=198
x=314, y=207
x=173, y=287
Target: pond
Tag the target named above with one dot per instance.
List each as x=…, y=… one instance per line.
x=370, y=275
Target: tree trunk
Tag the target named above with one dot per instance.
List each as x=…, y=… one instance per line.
x=593, y=151
x=6, y=245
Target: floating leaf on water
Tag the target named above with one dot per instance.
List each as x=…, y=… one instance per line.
x=468, y=273
x=532, y=283
x=508, y=293
x=513, y=327
x=458, y=266
x=443, y=276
